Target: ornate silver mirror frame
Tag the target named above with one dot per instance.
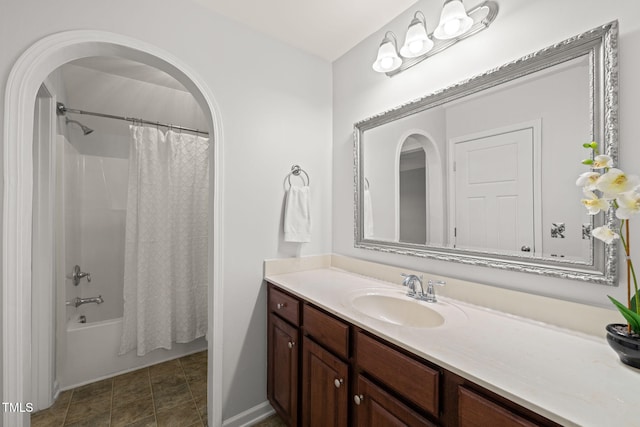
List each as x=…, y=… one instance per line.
x=599, y=45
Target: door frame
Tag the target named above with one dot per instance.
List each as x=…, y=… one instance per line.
x=43, y=296
x=25, y=79
x=536, y=127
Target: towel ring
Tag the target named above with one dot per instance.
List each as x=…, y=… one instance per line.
x=366, y=184
x=295, y=170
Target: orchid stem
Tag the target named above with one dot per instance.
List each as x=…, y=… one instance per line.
x=630, y=267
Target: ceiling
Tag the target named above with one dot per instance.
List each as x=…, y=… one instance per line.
x=326, y=28
x=129, y=69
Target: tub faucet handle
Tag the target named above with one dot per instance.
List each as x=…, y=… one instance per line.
x=78, y=274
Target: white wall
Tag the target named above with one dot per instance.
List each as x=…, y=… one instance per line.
x=275, y=107
x=521, y=27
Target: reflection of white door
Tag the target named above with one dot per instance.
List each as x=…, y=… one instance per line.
x=494, y=197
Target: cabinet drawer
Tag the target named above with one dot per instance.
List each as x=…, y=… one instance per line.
x=284, y=305
x=326, y=330
x=475, y=410
x=415, y=381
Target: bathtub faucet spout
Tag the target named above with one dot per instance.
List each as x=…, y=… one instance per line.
x=77, y=302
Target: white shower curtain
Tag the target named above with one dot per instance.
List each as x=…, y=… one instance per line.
x=166, y=243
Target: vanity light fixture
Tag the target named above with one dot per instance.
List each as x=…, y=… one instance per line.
x=455, y=24
x=417, y=41
x=454, y=21
x=387, y=59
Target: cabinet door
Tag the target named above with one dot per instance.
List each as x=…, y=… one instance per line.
x=282, y=381
x=325, y=382
x=475, y=410
x=376, y=408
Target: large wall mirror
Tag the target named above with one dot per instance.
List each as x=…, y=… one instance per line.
x=483, y=172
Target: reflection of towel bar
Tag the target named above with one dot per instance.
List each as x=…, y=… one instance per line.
x=295, y=170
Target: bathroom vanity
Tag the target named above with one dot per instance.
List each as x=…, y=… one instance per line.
x=388, y=384
x=340, y=354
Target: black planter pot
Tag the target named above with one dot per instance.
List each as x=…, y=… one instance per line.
x=626, y=345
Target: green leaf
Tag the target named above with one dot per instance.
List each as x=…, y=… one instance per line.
x=587, y=145
x=633, y=303
x=632, y=317
x=587, y=162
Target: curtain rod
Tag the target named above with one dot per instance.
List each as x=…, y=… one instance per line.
x=63, y=110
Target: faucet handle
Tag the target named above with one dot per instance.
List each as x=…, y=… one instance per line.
x=409, y=283
x=431, y=293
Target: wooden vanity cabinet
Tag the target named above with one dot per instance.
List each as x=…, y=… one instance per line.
x=341, y=375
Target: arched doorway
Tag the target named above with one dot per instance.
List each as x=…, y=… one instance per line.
x=33, y=66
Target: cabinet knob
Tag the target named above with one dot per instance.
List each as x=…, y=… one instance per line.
x=358, y=398
x=338, y=382
x=281, y=305
x=291, y=344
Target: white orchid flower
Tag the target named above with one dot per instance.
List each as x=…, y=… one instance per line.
x=628, y=204
x=602, y=161
x=588, y=180
x=594, y=204
x=605, y=234
x=616, y=182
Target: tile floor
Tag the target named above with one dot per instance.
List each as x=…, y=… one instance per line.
x=172, y=394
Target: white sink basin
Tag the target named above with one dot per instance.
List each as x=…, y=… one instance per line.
x=404, y=312
x=396, y=308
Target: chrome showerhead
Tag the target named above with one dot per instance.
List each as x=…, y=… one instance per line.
x=85, y=129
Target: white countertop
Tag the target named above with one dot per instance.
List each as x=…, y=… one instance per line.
x=568, y=377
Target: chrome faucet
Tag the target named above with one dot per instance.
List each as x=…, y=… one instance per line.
x=410, y=281
x=431, y=292
x=77, y=302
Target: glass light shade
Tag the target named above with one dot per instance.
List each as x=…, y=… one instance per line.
x=388, y=59
x=454, y=21
x=417, y=41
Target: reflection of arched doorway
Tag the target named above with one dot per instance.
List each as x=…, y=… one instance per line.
x=419, y=190
x=23, y=84
x=413, y=188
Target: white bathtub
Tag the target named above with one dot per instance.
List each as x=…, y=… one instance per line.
x=92, y=353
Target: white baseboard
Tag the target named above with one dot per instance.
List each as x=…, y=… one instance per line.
x=251, y=416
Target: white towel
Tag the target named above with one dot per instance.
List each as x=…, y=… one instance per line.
x=297, y=215
x=368, y=214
